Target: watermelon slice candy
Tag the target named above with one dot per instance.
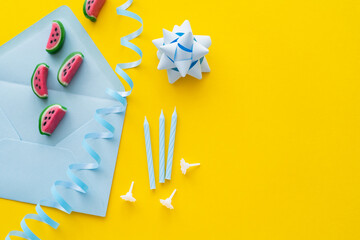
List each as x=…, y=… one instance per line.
x=69, y=67
x=39, y=80
x=50, y=117
x=92, y=8
x=56, y=37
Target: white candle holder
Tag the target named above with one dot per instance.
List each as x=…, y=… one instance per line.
x=184, y=165
x=167, y=202
x=128, y=196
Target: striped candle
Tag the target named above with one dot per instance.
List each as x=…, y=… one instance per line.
x=171, y=145
x=149, y=155
x=162, y=148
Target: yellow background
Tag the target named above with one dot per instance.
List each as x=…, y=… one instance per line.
x=275, y=125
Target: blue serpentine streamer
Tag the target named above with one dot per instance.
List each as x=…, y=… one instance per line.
x=76, y=183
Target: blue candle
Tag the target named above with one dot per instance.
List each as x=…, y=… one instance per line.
x=162, y=148
x=171, y=145
x=149, y=155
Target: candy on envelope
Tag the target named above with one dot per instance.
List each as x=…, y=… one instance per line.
x=69, y=67
x=56, y=37
x=39, y=80
x=50, y=117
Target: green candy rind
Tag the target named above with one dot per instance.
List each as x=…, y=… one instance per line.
x=62, y=39
x=42, y=113
x=32, y=80
x=64, y=62
x=93, y=19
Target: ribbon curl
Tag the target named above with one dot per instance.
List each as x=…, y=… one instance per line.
x=76, y=183
x=125, y=42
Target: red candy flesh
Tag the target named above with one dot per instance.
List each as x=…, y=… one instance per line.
x=40, y=79
x=51, y=119
x=69, y=69
x=93, y=7
x=54, y=37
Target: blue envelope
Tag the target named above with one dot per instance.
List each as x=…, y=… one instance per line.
x=31, y=162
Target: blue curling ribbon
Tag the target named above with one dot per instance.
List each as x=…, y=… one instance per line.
x=125, y=42
x=76, y=183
